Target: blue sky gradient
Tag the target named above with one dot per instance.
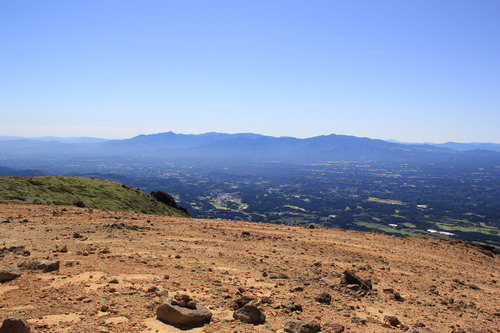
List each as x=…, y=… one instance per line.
x=415, y=70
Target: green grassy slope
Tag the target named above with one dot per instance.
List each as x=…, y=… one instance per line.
x=94, y=193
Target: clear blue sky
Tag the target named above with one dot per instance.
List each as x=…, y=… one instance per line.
x=411, y=70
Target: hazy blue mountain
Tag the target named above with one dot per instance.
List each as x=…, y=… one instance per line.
x=458, y=146
x=470, y=146
x=5, y=171
x=241, y=147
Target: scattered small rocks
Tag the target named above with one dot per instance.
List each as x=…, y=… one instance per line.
x=250, y=314
x=15, y=325
x=183, y=301
x=9, y=273
x=301, y=327
x=17, y=250
x=184, y=313
x=124, y=226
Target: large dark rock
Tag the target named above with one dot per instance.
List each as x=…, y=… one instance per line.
x=9, y=273
x=250, y=314
x=351, y=278
x=168, y=200
x=15, y=325
x=183, y=316
x=301, y=327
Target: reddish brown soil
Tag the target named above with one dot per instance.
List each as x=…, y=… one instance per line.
x=445, y=285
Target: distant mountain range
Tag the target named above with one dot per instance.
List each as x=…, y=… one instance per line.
x=242, y=147
x=458, y=145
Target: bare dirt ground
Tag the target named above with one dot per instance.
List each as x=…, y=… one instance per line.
x=120, y=266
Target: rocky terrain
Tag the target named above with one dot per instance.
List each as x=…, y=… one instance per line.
x=71, y=269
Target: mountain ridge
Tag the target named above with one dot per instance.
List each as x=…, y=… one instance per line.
x=239, y=146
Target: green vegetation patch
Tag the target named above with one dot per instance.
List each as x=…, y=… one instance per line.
x=85, y=192
x=385, y=201
x=387, y=229
x=468, y=227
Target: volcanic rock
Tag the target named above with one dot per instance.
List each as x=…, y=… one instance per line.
x=351, y=278
x=392, y=320
x=292, y=307
x=44, y=265
x=240, y=302
x=14, y=325
x=183, y=316
x=301, y=327
x=9, y=273
x=250, y=314
x=324, y=298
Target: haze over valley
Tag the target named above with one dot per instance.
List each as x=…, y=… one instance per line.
x=332, y=181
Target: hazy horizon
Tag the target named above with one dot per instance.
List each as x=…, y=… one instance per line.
x=411, y=71
x=130, y=137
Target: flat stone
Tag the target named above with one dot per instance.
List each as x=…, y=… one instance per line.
x=336, y=328
x=183, y=316
x=9, y=273
x=301, y=327
x=45, y=265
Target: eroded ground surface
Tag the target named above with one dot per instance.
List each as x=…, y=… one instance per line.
x=119, y=267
